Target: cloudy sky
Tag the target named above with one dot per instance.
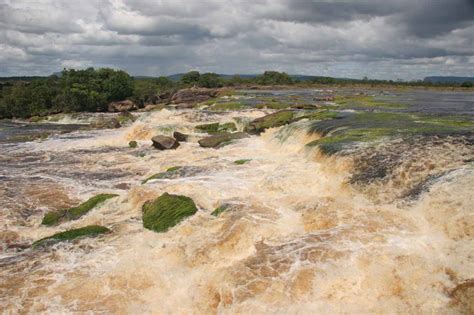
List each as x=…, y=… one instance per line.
x=406, y=39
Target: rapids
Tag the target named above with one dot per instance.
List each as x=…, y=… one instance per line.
x=303, y=234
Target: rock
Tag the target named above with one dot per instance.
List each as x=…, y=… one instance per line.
x=122, y=106
x=87, y=231
x=125, y=118
x=192, y=96
x=175, y=172
x=164, y=142
x=56, y=217
x=167, y=211
x=221, y=139
x=242, y=162
x=216, y=127
x=277, y=119
x=106, y=123
x=305, y=106
x=133, y=144
x=181, y=137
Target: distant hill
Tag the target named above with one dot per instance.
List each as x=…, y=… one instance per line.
x=440, y=79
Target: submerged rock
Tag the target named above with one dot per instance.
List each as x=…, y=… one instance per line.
x=87, y=231
x=56, y=217
x=463, y=296
x=122, y=106
x=181, y=137
x=133, y=144
x=221, y=139
x=277, y=119
x=167, y=211
x=164, y=143
x=175, y=172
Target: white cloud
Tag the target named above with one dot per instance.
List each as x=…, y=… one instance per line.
x=338, y=38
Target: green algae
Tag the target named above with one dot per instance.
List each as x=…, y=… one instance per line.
x=365, y=127
x=358, y=101
x=277, y=119
x=221, y=139
x=215, y=128
x=56, y=217
x=272, y=105
x=87, y=231
x=227, y=106
x=167, y=211
x=242, y=161
x=220, y=210
x=162, y=175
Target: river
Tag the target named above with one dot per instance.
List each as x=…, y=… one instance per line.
x=306, y=232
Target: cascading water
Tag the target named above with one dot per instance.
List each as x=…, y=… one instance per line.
x=304, y=233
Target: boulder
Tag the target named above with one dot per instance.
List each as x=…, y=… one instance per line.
x=181, y=137
x=164, y=143
x=87, y=231
x=122, y=106
x=192, y=96
x=56, y=217
x=106, y=123
x=277, y=119
x=167, y=211
x=216, y=127
x=221, y=139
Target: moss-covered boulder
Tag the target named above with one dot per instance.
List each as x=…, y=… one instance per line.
x=216, y=128
x=277, y=119
x=56, y=217
x=133, y=144
x=220, y=140
x=167, y=211
x=87, y=231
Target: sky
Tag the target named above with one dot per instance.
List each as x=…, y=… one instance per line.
x=383, y=39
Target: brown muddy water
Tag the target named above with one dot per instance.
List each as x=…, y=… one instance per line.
x=384, y=229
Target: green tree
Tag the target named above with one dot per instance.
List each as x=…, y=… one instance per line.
x=190, y=78
x=210, y=80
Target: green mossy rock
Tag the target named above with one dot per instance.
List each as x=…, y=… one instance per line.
x=133, y=144
x=209, y=128
x=241, y=162
x=87, y=231
x=277, y=119
x=167, y=211
x=220, y=140
x=220, y=209
x=162, y=175
x=56, y=217
x=216, y=128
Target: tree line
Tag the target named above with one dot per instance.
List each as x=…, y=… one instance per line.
x=93, y=89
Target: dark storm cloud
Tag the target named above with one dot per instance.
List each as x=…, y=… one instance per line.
x=385, y=39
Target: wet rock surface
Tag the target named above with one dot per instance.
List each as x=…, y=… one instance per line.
x=164, y=143
x=221, y=139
